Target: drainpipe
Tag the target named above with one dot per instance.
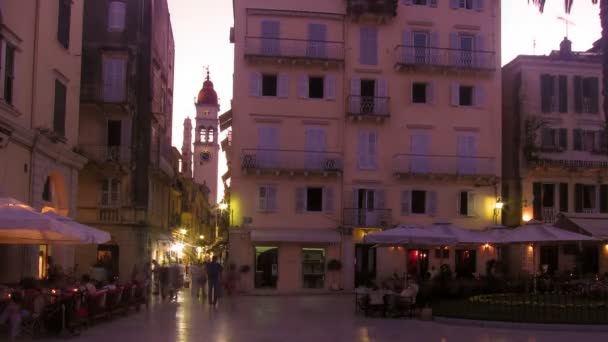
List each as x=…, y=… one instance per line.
x=33, y=96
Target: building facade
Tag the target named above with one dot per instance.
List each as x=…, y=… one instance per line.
x=125, y=129
x=555, y=152
x=40, y=72
x=355, y=116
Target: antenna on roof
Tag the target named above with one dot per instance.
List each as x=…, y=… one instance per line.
x=567, y=22
x=534, y=46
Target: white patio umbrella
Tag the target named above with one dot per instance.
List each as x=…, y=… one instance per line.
x=21, y=224
x=85, y=233
x=464, y=236
x=411, y=235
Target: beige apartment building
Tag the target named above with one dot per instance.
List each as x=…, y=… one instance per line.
x=40, y=50
x=354, y=116
x=555, y=152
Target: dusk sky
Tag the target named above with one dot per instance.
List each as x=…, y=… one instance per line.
x=201, y=30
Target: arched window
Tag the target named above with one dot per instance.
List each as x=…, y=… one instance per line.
x=211, y=135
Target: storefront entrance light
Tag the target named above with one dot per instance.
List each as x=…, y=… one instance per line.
x=499, y=204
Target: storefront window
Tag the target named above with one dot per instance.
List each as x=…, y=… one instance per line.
x=313, y=268
x=266, y=266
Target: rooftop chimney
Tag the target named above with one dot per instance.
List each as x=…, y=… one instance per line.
x=565, y=48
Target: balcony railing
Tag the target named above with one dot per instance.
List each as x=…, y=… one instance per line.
x=444, y=57
x=294, y=48
x=109, y=215
x=105, y=154
x=290, y=160
x=419, y=164
x=368, y=106
x=374, y=7
x=367, y=218
x=549, y=214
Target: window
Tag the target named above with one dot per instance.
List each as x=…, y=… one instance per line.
x=59, y=108
x=9, y=72
x=114, y=132
x=269, y=85
x=271, y=33
x=316, y=46
x=110, y=191
x=420, y=2
x=116, y=16
x=367, y=150
x=586, y=94
x=114, y=78
x=466, y=4
x=418, y=202
x=548, y=195
x=419, y=93
x=46, y=192
x=588, y=140
x=466, y=263
x=547, y=93
x=315, y=87
x=554, y=139
x=421, y=44
x=314, y=199
x=267, y=198
x=313, y=268
x=63, y=22
x=465, y=95
x=466, y=203
x=368, y=49
x=585, y=198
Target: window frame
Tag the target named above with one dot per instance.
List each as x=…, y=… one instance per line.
x=113, y=190
x=318, y=79
x=65, y=18
x=460, y=95
x=424, y=201
x=425, y=86
x=121, y=5
x=9, y=72
x=276, y=85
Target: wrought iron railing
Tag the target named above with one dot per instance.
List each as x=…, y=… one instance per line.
x=439, y=164
x=465, y=59
x=376, y=7
x=368, y=105
x=270, y=159
x=294, y=48
x=103, y=153
x=109, y=215
x=549, y=214
x=367, y=218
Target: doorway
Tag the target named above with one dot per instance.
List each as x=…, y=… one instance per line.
x=590, y=260
x=417, y=263
x=108, y=258
x=365, y=265
x=266, y=267
x=548, y=259
x=368, y=92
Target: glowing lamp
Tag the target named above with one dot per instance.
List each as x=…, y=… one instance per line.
x=177, y=247
x=526, y=217
x=183, y=231
x=199, y=250
x=201, y=237
x=223, y=206
x=499, y=204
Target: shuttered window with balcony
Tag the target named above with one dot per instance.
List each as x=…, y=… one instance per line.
x=420, y=202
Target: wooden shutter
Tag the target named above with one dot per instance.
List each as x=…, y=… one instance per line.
x=63, y=22
x=362, y=150
x=595, y=94
x=119, y=79
x=430, y=88
x=578, y=198
x=563, y=93
x=328, y=200
x=455, y=94
x=454, y=4
x=329, y=87
x=379, y=199
x=300, y=199
x=563, y=197
x=479, y=96
x=262, y=197
x=408, y=50
x=478, y=51
x=603, y=198
x=454, y=53
x=381, y=101
x=373, y=149
x=303, y=89
x=578, y=94
x=255, y=84
x=577, y=137
x=435, y=47
x=59, y=110
x=368, y=49
x=478, y=5
x=283, y=85
x=431, y=203
x=537, y=200
x=355, y=98
x=405, y=202
x=272, y=198
x=116, y=15
x=545, y=93
x=563, y=139
x=471, y=200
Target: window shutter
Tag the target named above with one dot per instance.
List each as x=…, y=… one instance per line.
x=578, y=94
x=262, y=198
x=328, y=200
x=563, y=139
x=301, y=199
x=355, y=198
x=479, y=96
x=563, y=197
x=379, y=199
x=408, y=50
x=454, y=48
x=355, y=96
x=405, y=202
x=63, y=22
x=577, y=139
x=381, y=92
x=455, y=94
x=435, y=47
x=594, y=87
x=362, y=150
x=368, y=49
x=471, y=204
x=433, y=3
x=563, y=93
x=603, y=198
x=329, y=87
x=478, y=5
x=431, y=203
x=578, y=198
x=59, y=110
x=120, y=74
x=478, y=51
x=373, y=149
x=407, y=2
x=537, y=201
x=454, y=4
x=255, y=84
x=272, y=198
x=429, y=92
x=116, y=15
x=303, y=87
x=283, y=85
x=105, y=192
x=545, y=93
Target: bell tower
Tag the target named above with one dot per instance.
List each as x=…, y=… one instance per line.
x=206, y=144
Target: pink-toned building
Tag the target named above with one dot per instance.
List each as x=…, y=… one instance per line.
x=354, y=116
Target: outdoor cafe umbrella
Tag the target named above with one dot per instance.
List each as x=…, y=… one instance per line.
x=411, y=235
x=465, y=236
x=21, y=224
x=86, y=233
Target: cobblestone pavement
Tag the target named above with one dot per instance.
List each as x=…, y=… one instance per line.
x=297, y=318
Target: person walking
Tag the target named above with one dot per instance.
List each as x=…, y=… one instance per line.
x=196, y=275
x=214, y=276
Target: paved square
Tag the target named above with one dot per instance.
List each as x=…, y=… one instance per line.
x=297, y=318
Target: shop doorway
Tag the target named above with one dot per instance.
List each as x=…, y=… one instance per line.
x=418, y=263
x=365, y=265
x=266, y=267
x=108, y=258
x=590, y=260
x=548, y=259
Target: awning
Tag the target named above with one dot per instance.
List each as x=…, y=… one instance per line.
x=537, y=232
x=295, y=235
x=411, y=235
x=595, y=227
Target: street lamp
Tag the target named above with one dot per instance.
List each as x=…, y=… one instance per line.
x=183, y=231
x=201, y=237
x=223, y=206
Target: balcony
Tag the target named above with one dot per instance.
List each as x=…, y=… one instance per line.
x=367, y=218
x=107, y=154
x=409, y=58
x=549, y=214
x=381, y=9
x=109, y=215
x=368, y=107
x=294, y=51
x=291, y=162
x=480, y=170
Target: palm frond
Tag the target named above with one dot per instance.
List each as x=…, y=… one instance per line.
x=567, y=4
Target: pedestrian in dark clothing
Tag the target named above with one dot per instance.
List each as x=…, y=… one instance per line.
x=214, y=276
x=164, y=281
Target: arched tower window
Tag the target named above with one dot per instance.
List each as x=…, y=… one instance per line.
x=211, y=135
